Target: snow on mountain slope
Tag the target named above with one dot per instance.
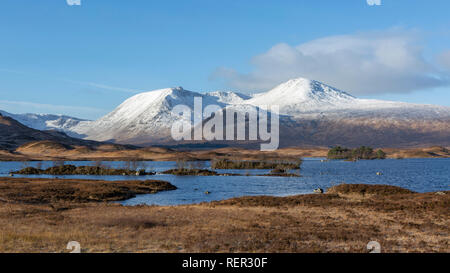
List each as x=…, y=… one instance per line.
x=312, y=113
x=307, y=98
x=306, y=94
x=308, y=108
x=45, y=121
x=229, y=97
x=144, y=116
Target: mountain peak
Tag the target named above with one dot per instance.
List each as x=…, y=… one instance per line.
x=148, y=117
x=163, y=91
x=302, y=93
x=299, y=80
x=44, y=121
x=309, y=88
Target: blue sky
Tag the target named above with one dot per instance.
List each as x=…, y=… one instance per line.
x=85, y=60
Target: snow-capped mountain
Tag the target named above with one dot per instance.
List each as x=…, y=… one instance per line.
x=45, y=121
x=147, y=116
x=303, y=98
x=313, y=113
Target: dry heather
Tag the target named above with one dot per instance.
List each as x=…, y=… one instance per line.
x=400, y=222
x=362, y=189
x=55, y=191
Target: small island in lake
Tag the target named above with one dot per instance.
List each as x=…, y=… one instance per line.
x=278, y=164
x=81, y=170
x=362, y=152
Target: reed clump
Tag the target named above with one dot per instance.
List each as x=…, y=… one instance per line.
x=280, y=165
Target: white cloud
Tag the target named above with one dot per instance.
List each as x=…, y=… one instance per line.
x=105, y=87
x=444, y=59
x=365, y=63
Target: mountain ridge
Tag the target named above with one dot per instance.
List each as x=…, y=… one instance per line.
x=13, y=134
x=45, y=121
x=312, y=113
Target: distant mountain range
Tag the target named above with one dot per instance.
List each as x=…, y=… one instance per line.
x=46, y=121
x=14, y=134
x=312, y=114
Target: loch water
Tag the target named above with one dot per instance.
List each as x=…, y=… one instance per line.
x=420, y=175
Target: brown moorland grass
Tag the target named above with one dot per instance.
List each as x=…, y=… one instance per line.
x=44, y=150
x=399, y=221
x=51, y=191
x=363, y=189
x=427, y=152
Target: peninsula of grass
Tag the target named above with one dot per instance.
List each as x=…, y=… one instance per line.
x=185, y=171
x=58, y=191
x=81, y=170
x=281, y=173
x=367, y=190
x=196, y=172
x=261, y=164
x=362, y=152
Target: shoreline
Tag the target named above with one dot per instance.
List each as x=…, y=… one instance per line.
x=54, y=152
x=49, y=191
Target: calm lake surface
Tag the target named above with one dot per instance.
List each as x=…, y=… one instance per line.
x=421, y=175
